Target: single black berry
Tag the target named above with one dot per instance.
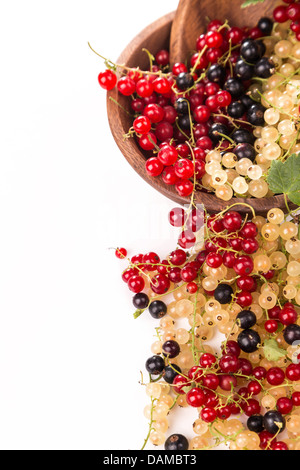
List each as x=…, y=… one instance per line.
x=255, y=114
x=255, y=423
x=246, y=319
x=248, y=340
x=215, y=130
x=184, y=122
x=265, y=24
x=245, y=150
x=155, y=365
x=176, y=442
x=243, y=136
x=182, y=106
x=291, y=333
x=223, y=293
x=247, y=101
x=250, y=50
x=216, y=73
x=184, y=81
x=170, y=373
x=274, y=422
x=264, y=68
x=140, y=300
x=236, y=109
x=242, y=70
x=157, y=309
x=234, y=86
x=170, y=349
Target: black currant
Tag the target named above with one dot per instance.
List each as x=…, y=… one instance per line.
x=255, y=423
x=170, y=349
x=246, y=319
x=223, y=293
x=243, y=70
x=255, y=114
x=215, y=130
x=274, y=422
x=234, y=86
x=184, y=121
x=155, y=365
x=291, y=333
x=264, y=68
x=248, y=340
x=236, y=109
x=250, y=50
x=184, y=81
x=182, y=106
x=265, y=24
x=262, y=47
x=176, y=442
x=216, y=73
x=245, y=150
x=243, y=136
x=170, y=373
x=247, y=101
x=157, y=309
x=140, y=301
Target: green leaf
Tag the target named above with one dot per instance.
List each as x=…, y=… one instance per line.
x=272, y=351
x=247, y=3
x=284, y=177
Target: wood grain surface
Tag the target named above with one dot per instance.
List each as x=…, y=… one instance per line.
x=192, y=16
x=155, y=37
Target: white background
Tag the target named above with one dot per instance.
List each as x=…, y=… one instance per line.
x=70, y=351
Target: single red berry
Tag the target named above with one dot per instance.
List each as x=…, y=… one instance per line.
x=107, y=79
x=126, y=275
x=178, y=68
x=184, y=187
x=280, y=14
x=164, y=130
x=229, y=258
x=293, y=11
x=245, y=366
x=147, y=141
x=250, y=245
x=287, y=315
x=188, y=274
x=175, y=275
x=275, y=376
x=136, y=284
x=192, y=287
x=227, y=381
x=249, y=230
x=202, y=114
x=160, y=284
x=208, y=414
x=211, y=381
x=142, y=125
x=162, y=57
x=167, y=155
x=179, y=383
x=154, y=113
x=252, y=407
x=273, y=313
x=244, y=299
x=207, y=360
x=161, y=85
x=293, y=372
x=231, y=347
x=265, y=437
x=279, y=445
x=271, y=326
x=186, y=239
x=199, y=169
x=246, y=283
x=232, y=221
x=254, y=387
x=196, y=374
x=121, y=253
x=154, y=167
x=229, y=363
x=284, y=405
x=126, y=86
x=169, y=176
x=234, y=34
x=224, y=412
x=137, y=105
x=259, y=372
x=243, y=265
x=214, y=260
x=296, y=398
x=195, y=397
x=144, y=88
x=184, y=168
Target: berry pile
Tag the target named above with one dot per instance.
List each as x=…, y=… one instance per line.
x=218, y=125
x=239, y=284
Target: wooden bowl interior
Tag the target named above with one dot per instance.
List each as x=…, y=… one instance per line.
x=156, y=37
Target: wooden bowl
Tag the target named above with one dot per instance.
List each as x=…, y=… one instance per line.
x=155, y=37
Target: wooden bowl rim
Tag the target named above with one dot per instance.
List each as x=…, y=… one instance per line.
x=135, y=156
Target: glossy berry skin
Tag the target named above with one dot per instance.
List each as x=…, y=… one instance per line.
x=255, y=423
x=179, y=382
x=216, y=73
x=195, y=397
x=246, y=283
x=279, y=445
x=271, y=326
x=160, y=284
x=196, y=374
x=245, y=150
x=243, y=70
x=140, y=301
x=254, y=387
x=232, y=221
x=157, y=309
x=275, y=376
x=184, y=81
x=255, y=114
x=296, y=398
x=248, y=340
x=184, y=188
x=293, y=372
x=271, y=422
x=284, y=405
x=249, y=230
x=252, y=407
x=235, y=87
x=170, y=372
x=170, y=349
x=214, y=260
x=236, y=109
x=208, y=415
x=154, y=167
x=246, y=319
x=176, y=442
x=144, y=88
x=287, y=316
x=265, y=24
x=245, y=366
x=227, y=381
x=107, y=79
x=154, y=113
x=121, y=253
x=231, y=347
x=126, y=86
x=250, y=51
x=136, y=284
x=243, y=265
x=223, y=293
x=177, y=257
x=155, y=365
x=264, y=68
x=211, y=381
x=259, y=372
x=207, y=360
x=291, y=333
x=229, y=363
